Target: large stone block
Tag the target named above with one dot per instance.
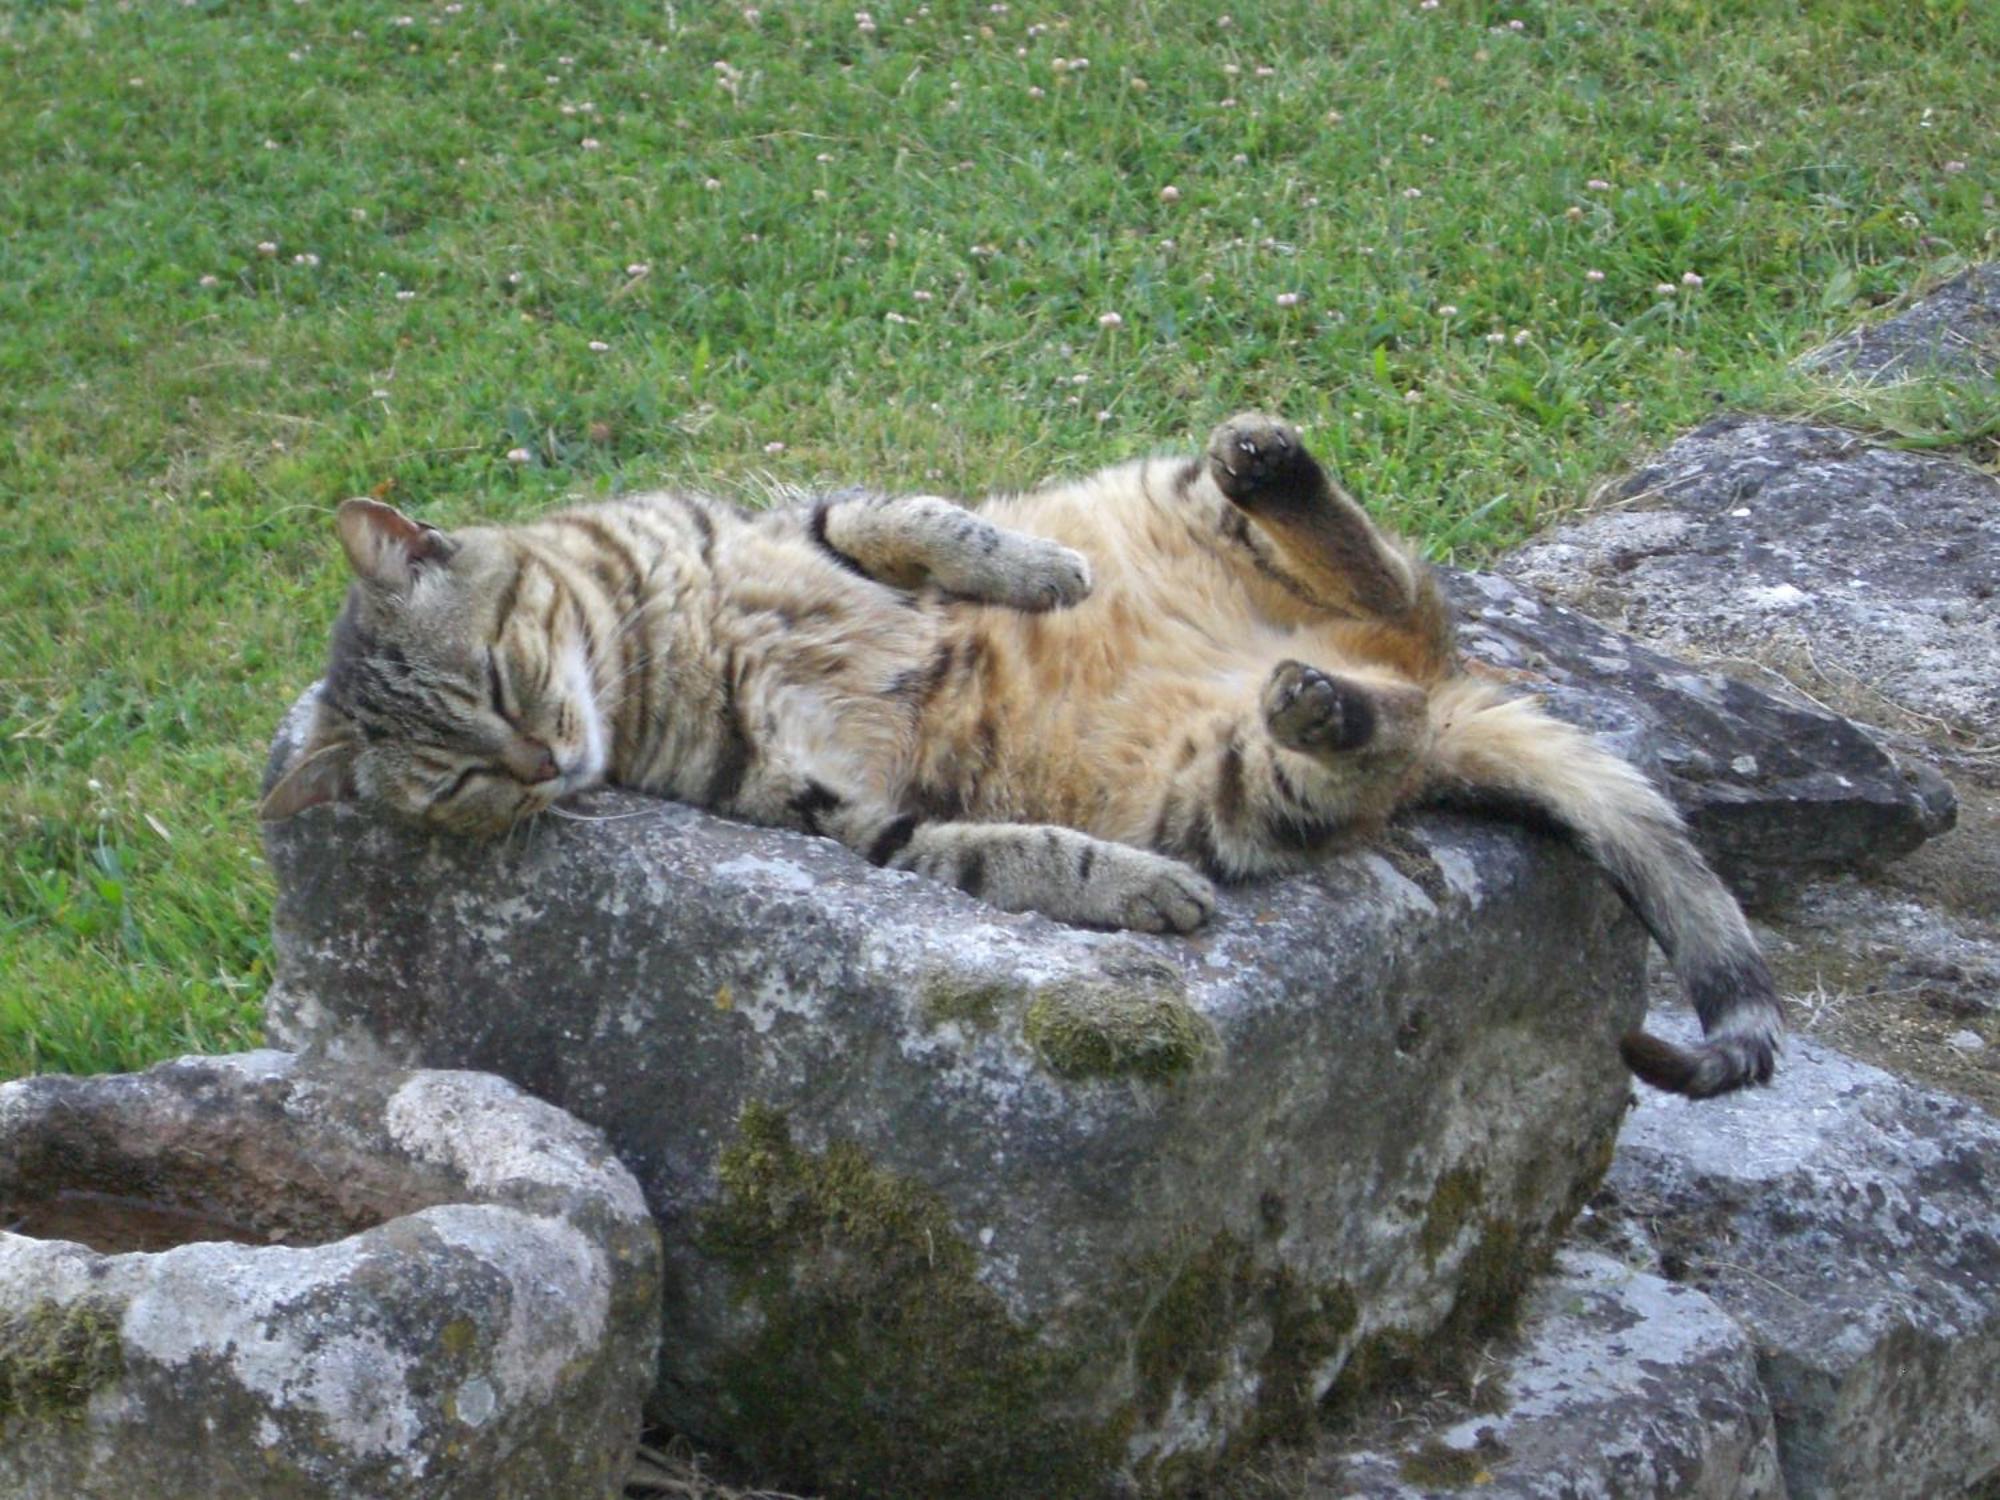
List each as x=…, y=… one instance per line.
x=957, y=1202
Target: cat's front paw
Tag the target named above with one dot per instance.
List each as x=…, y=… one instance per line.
x=1152, y=893
x=1021, y=572
x=1252, y=456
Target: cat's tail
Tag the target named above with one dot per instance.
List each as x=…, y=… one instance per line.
x=1493, y=751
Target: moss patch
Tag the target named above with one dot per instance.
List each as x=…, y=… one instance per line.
x=1454, y=1201
x=948, y=1000
x=55, y=1355
x=882, y=1365
x=1116, y=1030
x=1436, y=1465
x=1204, y=1305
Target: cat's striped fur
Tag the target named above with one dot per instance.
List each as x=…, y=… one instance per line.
x=1086, y=701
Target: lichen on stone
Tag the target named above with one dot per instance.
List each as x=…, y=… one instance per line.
x=54, y=1356
x=880, y=1364
x=1116, y=1030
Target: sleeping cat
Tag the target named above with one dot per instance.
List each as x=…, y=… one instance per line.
x=1087, y=701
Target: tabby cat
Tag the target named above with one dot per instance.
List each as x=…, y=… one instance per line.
x=1087, y=701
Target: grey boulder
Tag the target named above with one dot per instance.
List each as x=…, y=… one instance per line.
x=1850, y=1222
x=241, y=1276
x=1774, y=788
x=1953, y=331
x=1619, y=1385
x=1865, y=570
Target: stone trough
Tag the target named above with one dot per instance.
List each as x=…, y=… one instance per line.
x=958, y=1202
x=246, y=1277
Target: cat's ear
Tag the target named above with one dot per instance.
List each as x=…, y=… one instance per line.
x=386, y=547
x=322, y=771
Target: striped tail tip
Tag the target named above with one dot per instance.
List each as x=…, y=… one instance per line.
x=1718, y=1065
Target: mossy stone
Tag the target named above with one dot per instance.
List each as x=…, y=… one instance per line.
x=54, y=1356
x=881, y=1365
x=1116, y=1031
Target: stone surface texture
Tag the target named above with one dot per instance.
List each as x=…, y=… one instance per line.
x=1952, y=332
x=1869, y=571
x=1619, y=1385
x=961, y=1202
x=445, y=1289
x=1850, y=1222
x=1774, y=788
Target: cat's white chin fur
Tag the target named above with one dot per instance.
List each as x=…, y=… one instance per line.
x=596, y=742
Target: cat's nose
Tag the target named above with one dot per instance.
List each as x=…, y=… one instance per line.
x=533, y=762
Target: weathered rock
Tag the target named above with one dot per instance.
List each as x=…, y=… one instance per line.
x=1851, y=1223
x=1953, y=332
x=314, y=1283
x=1868, y=572
x=1619, y=1386
x=956, y=1202
x=1773, y=788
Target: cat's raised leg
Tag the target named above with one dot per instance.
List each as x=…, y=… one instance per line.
x=1296, y=527
x=1320, y=756
x=912, y=540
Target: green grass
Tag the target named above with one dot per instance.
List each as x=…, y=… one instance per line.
x=885, y=250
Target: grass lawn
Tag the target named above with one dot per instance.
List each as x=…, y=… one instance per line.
x=260, y=256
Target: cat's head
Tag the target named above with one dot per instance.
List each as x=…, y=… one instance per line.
x=459, y=691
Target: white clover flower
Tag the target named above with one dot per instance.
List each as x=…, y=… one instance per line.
x=1412, y=396
x=774, y=447
x=1170, y=194
x=1447, y=310
x=405, y=296
x=1496, y=337
x=1664, y=289
x=1598, y=185
x=1690, y=278
x=305, y=258
x=712, y=185
x=1954, y=166
x=267, y=247
x=210, y=281
x=1413, y=192
x=590, y=143
x=1110, y=320
x=1288, y=299
x=519, y=456
x=598, y=346
x=1522, y=337
x=1593, y=275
